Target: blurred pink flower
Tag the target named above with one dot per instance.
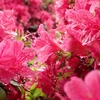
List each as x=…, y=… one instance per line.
x=60, y=8
x=7, y=23
x=77, y=89
x=46, y=18
x=89, y=5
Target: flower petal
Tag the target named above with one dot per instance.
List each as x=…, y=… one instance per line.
x=93, y=82
x=76, y=89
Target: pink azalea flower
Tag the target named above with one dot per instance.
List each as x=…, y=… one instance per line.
x=7, y=23
x=80, y=4
x=89, y=5
x=60, y=8
x=94, y=4
x=23, y=9
x=50, y=82
x=84, y=27
x=13, y=59
x=44, y=45
x=69, y=44
x=77, y=89
x=46, y=18
x=83, y=24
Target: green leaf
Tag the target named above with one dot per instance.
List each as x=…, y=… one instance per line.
x=28, y=98
x=22, y=91
x=27, y=43
x=58, y=34
x=66, y=74
x=2, y=94
x=33, y=87
x=37, y=93
x=91, y=61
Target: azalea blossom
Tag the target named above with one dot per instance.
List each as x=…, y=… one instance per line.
x=44, y=45
x=25, y=12
x=57, y=51
x=7, y=24
x=83, y=25
x=13, y=59
x=77, y=89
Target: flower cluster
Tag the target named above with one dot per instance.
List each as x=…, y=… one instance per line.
x=70, y=49
x=25, y=12
x=49, y=49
